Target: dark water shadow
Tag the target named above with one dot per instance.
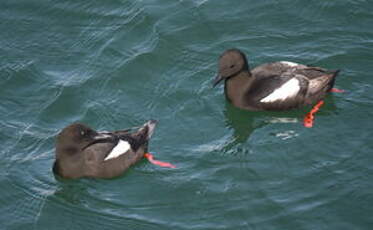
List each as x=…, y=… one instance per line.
x=71, y=191
x=79, y=191
x=244, y=123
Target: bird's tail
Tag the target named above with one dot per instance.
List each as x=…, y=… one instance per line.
x=334, y=75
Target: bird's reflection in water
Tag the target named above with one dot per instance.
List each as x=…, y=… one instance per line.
x=243, y=123
x=71, y=192
x=74, y=192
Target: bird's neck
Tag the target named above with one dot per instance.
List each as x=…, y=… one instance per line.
x=237, y=86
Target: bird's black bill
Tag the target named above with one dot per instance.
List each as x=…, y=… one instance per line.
x=151, y=126
x=217, y=80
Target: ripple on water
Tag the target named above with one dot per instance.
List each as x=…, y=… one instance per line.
x=119, y=63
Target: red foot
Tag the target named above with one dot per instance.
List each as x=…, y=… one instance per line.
x=335, y=90
x=150, y=158
x=308, y=119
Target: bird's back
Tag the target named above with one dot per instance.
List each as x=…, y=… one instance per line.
x=285, y=85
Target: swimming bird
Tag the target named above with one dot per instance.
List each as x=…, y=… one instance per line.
x=279, y=85
x=84, y=152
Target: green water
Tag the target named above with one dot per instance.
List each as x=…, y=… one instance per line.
x=115, y=64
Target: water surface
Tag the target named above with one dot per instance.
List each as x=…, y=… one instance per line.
x=116, y=64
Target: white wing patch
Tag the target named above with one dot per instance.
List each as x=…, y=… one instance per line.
x=121, y=148
x=288, y=63
x=289, y=89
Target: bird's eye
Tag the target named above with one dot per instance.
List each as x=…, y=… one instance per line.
x=231, y=66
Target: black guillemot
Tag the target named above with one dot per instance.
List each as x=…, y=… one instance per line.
x=84, y=152
x=273, y=86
